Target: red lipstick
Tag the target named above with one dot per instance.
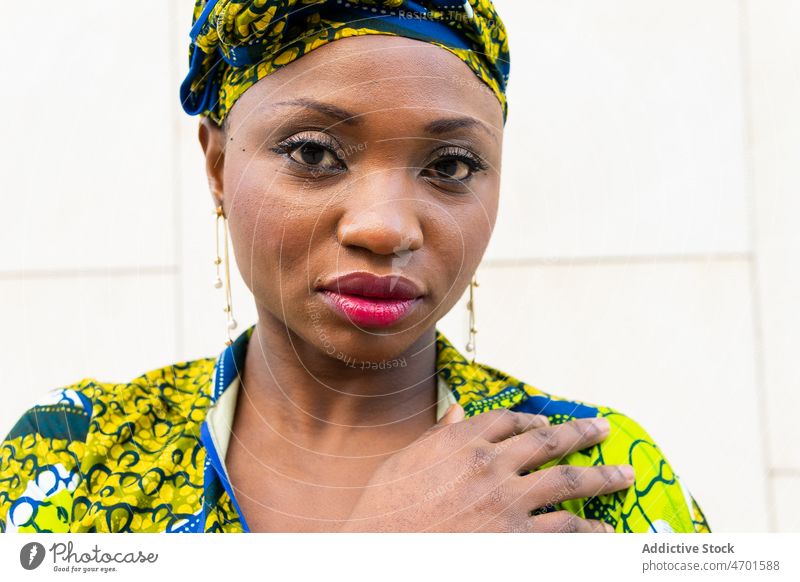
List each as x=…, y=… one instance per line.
x=370, y=300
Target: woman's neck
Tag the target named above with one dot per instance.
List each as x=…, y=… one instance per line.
x=292, y=390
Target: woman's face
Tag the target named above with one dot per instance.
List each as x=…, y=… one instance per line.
x=372, y=153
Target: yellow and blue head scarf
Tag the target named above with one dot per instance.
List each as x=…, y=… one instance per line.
x=237, y=42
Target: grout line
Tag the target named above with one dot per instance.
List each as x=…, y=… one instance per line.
x=488, y=263
x=176, y=183
x=103, y=272
x=755, y=295
x=616, y=260
x=784, y=472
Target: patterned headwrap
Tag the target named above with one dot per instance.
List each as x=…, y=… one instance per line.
x=237, y=42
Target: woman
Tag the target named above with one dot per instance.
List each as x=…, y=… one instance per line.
x=360, y=186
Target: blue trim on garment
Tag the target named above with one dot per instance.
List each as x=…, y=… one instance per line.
x=228, y=367
x=193, y=103
x=550, y=407
x=216, y=464
x=85, y=402
x=201, y=20
x=230, y=364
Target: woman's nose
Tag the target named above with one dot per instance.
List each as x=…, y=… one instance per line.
x=387, y=226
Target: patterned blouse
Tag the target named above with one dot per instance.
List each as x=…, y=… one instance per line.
x=148, y=455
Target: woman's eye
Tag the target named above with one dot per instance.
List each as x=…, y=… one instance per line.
x=456, y=165
x=312, y=151
x=452, y=169
x=313, y=154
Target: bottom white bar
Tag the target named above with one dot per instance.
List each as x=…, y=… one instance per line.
x=488, y=557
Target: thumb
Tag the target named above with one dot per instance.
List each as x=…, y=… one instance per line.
x=453, y=415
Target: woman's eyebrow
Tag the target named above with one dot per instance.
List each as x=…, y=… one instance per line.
x=435, y=127
x=450, y=124
x=330, y=110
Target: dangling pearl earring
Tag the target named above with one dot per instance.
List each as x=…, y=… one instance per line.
x=228, y=309
x=471, y=308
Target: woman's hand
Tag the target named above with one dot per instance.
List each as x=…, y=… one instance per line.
x=474, y=475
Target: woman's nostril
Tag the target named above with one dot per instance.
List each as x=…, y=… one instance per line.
x=382, y=240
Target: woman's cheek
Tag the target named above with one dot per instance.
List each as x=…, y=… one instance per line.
x=248, y=250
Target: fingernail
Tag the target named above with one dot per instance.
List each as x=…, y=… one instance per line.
x=610, y=528
x=627, y=470
x=602, y=423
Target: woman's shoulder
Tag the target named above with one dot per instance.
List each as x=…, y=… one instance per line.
x=658, y=501
x=85, y=423
x=492, y=388
x=65, y=412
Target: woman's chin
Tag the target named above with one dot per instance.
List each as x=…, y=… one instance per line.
x=364, y=349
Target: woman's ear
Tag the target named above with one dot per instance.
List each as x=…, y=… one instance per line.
x=212, y=138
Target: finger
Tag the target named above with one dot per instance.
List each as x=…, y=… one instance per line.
x=567, y=522
x=453, y=415
x=533, y=448
x=501, y=423
x=556, y=484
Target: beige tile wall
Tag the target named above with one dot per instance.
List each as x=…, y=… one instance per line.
x=645, y=256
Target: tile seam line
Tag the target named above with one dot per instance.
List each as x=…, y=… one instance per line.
x=745, y=67
x=564, y=261
x=176, y=183
x=151, y=270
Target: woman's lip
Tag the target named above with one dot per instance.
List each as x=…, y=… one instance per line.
x=366, y=284
x=369, y=311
